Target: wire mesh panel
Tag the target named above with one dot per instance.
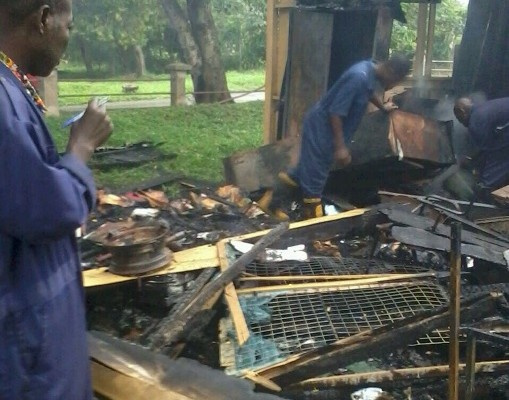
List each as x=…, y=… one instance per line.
x=283, y=324
x=329, y=266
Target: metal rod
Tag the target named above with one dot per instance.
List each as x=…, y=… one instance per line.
x=470, y=368
x=454, y=325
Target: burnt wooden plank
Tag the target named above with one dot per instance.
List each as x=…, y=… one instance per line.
x=482, y=63
x=154, y=335
x=423, y=239
x=427, y=224
x=176, y=328
x=353, y=39
x=255, y=169
x=149, y=375
x=308, y=68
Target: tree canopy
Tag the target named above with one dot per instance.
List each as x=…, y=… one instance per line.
x=112, y=35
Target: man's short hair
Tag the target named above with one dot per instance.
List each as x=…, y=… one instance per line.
x=18, y=10
x=398, y=64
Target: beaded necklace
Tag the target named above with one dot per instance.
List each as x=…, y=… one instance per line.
x=32, y=92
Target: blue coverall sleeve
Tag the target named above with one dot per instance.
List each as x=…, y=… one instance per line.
x=40, y=200
x=350, y=87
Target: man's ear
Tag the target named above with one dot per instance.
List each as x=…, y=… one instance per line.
x=39, y=19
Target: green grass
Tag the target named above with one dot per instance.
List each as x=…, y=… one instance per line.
x=237, y=80
x=200, y=135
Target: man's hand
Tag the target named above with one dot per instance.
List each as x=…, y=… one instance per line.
x=342, y=156
x=389, y=106
x=90, y=131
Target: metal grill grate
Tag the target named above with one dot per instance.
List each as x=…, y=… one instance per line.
x=297, y=322
x=329, y=266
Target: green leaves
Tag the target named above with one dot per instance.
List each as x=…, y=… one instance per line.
x=450, y=21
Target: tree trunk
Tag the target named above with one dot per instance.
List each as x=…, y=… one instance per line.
x=179, y=24
x=212, y=80
x=140, y=61
x=84, y=56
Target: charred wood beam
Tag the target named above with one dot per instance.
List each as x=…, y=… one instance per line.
x=430, y=201
x=373, y=343
x=155, y=334
x=427, y=240
x=436, y=198
x=404, y=374
x=176, y=328
x=416, y=221
x=476, y=227
x=454, y=310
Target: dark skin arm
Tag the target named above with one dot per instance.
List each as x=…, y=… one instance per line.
x=341, y=153
x=387, y=107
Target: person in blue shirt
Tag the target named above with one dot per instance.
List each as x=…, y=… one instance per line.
x=328, y=128
x=488, y=126
x=44, y=198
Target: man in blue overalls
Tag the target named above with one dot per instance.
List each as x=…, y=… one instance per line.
x=44, y=198
x=328, y=128
x=488, y=125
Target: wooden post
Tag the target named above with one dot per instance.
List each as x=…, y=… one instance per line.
x=276, y=53
x=178, y=73
x=383, y=34
x=470, y=368
x=269, y=112
x=454, y=325
x=48, y=90
x=431, y=37
x=421, y=40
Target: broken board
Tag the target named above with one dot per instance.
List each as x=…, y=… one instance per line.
x=183, y=261
x=121, y=370
x=427, y=240
x=207, y=256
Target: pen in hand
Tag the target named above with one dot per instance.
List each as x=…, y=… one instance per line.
x=100, y=102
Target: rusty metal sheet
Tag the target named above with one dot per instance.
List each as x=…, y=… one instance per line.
x=416, y=137
x=404, y=136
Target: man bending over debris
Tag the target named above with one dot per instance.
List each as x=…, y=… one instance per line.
x=328, y=128
x=488, y=125
x=44, y=198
